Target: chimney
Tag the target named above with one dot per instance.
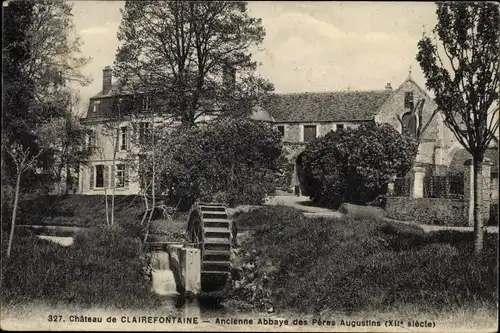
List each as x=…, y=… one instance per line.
x=228, y=76
x=107, y=76
x=388, y=86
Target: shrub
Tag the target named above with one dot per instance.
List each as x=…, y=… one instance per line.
x=354, y=165
x=349, y=264
x=234, y=161
x=102, y=268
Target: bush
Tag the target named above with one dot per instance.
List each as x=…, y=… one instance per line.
x=355, y=165
x=233, y=161
x=310, y=265
x=102, y=268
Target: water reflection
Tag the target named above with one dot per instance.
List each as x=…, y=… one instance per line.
x=163, y=284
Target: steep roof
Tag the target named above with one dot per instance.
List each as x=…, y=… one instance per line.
x=326, y=106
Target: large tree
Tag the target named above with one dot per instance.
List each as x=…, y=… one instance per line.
x=65, y=137
x=460, y=63
x=40, y=59
x=187, y=54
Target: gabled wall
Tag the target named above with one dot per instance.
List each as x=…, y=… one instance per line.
x=432, y=138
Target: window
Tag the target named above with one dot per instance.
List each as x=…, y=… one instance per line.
x=91, y=140
x=409, y=124
x=281, y=129
x=99, y=175
x=96, y=106
x=123, y=138
x=340, y=127
x=144, y=133
x=146, y=102
x=409, y=100
x=121, y=175
x=309, y=133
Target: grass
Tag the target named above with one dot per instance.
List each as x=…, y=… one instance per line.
x=358, y=264
x=104, y=267
x=77, y=210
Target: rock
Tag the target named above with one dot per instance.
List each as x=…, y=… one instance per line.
x=362, y=211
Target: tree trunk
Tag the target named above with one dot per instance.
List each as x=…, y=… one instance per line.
x=153, y=185
x=14, y=212
x=112, y=180
x=478, y=198
x=107, y=207
x=69, y=179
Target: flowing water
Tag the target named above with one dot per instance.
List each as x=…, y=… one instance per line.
x=163, y=284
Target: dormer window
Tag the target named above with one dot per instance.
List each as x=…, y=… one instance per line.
x=96, y=107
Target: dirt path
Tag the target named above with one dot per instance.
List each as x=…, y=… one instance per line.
x=305, y=205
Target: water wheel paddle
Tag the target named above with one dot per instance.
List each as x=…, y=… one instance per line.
x=209, y=229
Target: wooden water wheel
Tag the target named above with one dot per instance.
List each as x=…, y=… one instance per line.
x=209, y=229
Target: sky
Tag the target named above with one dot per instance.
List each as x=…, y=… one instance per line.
x=309, y=46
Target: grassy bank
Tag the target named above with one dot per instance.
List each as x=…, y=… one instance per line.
x=104, y=267
x=353, y=265
x=77, y=210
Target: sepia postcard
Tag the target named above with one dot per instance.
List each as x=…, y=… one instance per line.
x=292, y=166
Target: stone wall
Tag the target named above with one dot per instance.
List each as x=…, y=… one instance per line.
x=432, y=211
x=442, y=211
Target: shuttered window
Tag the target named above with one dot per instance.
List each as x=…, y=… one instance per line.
x=144, y=133
x=121, y=176
x=92, y=177
x=106, y=176
x=123, y=138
